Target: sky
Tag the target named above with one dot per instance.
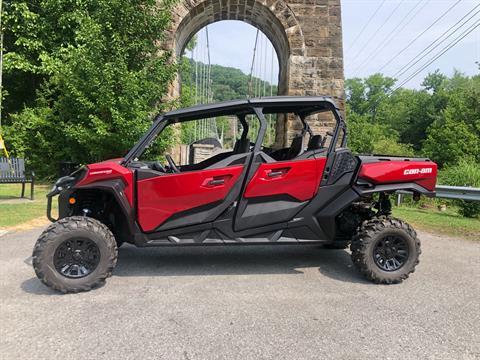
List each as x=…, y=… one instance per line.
x=394, y=26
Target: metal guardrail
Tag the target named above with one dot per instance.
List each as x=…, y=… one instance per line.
x=450, y=192
x=458, y=192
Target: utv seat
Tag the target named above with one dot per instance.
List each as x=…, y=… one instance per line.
x=290, y=152
x=241, y=146
x=315, y=143
x=315, y=146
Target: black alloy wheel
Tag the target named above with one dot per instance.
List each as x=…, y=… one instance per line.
x=76, y=258
x=391, y=252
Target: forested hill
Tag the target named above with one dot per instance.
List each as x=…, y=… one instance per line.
x=227, y=83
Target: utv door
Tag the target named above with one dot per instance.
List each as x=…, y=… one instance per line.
x=278, y=191
x=166, y=201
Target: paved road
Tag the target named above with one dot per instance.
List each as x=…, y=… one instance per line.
x=245, y=303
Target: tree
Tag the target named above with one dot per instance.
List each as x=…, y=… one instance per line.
x=367, y=138
x=98, y=77
x=434, y=81
x=455, y=135
x=365, y=95
x=408, y=112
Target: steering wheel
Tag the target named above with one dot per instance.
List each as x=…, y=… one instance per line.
x=172, y=164
x=158, y=166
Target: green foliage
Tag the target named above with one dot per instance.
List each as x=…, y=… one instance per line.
x=465, y=173
x=368, y=104
x=95, y=77
x=456, y=133
x=367, y=138
x=441, y=121
x=365, y=95
x=227, y=83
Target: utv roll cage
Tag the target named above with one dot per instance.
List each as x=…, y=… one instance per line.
x=301, y=106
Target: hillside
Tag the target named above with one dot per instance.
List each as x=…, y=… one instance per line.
x=227, y=83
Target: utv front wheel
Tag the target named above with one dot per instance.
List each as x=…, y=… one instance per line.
x=75, y=254
x=386, y=250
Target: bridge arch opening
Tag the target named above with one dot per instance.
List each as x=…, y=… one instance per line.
x=307, y=38
x=235, y=59
x=273, y=19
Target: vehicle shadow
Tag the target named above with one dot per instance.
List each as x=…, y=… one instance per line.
x=224, y=260
x=235, y=260
x=36, y=287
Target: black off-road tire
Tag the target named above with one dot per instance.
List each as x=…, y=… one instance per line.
x=119, y=243
x=71, y=228
x=369, y=234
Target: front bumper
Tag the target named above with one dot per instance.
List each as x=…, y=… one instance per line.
x=63, y=187
x=50, y=196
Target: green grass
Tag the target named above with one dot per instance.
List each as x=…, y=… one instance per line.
x=440, y=222
x=14, y=212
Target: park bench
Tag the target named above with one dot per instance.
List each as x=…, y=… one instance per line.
x=13, y=172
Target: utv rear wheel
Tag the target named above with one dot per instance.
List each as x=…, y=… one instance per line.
x=386, y=250
x=75, y=254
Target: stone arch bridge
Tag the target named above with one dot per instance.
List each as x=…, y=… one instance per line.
x=306, y=34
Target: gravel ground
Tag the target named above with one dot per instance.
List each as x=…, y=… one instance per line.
x=279, y=302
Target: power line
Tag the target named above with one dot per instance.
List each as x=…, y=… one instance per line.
x=417, y=58
x=441, y=53
x=377, y=31
x=366, y=25
x=395, y=32
x=420, y=35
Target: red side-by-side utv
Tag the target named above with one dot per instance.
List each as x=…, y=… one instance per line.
x=313, y=192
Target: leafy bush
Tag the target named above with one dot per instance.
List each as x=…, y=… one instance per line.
x=98, y=77
x=367, y=138
x=465, y=173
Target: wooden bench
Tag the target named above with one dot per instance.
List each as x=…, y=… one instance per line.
x=13, y=172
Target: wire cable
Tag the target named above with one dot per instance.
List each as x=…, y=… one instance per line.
x=417, y=58
x=394, y=32
x=377, y=31
x=252, y=66
x=440, y=54
x=366, y=25
x=420, y=35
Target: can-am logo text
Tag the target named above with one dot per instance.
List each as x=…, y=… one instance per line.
x=418, y=171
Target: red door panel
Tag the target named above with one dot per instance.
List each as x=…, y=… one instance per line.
x=163, y=196
x=299, y=179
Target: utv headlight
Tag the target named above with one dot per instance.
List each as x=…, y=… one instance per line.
x=66, y=182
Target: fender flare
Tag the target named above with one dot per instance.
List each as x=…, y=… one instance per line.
x=114, y=187
x=408, y=186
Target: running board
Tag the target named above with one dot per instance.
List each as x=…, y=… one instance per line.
x=215, y=237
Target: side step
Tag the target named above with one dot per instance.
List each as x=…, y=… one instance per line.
x=215, y=237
